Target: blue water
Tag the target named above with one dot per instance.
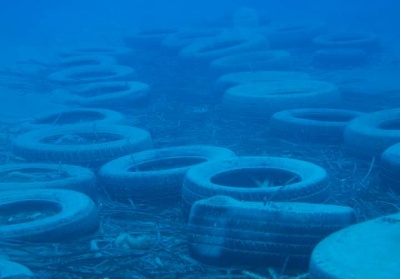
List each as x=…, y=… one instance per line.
x=22, y=20
x=314, y=81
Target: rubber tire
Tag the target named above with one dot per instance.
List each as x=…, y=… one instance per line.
x=84, y=60
x=365, y=138
x=233, y=79
x=185, y=37
x=223, y=45
x=157, y=186
x=316, y=125
x=255, y=101
x=366, y=250
x=72, y=117
x=13, y=270
x=77, y=216
x=365, y=41
x=277, y=60
x=390, y=167
x=115, y=52
x=292, y=35
x=70, y=76
x=148, y=38
x=123, y=94
x=68, y=177
x=339, y=58
x=227, y=232
x=30, y=145
x=312, y=184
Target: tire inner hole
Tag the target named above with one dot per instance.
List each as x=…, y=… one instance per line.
x=391, y=125
x=101, y=90
x=255, y=178
x=32, y=175
x=81, y=138
x=27, y=211
x=93, y=74
x=221, y=45
x=71, y=117
x=326, y=117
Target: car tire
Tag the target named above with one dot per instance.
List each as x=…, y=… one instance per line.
x=317, y=125
x=111, y=94
x=13, y=270
x=28, y=176
x=88, y=74
x=369, y=135
x=155, y=175
x=258, y=178
x=70, y=214
x=73, y=117
x=87, y=145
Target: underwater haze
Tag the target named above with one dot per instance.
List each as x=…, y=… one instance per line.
x=27, y=20
x=199, y=139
